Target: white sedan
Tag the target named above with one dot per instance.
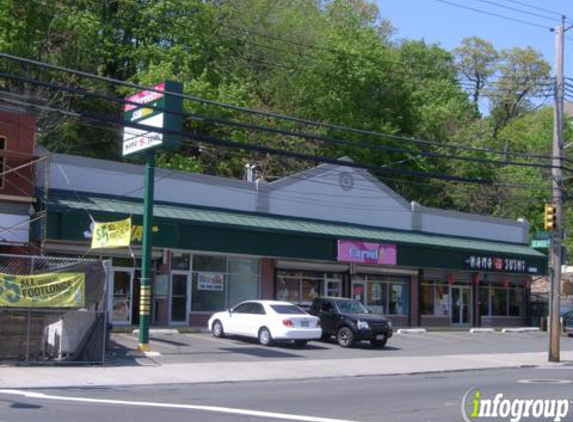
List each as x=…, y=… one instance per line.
x=267, y=320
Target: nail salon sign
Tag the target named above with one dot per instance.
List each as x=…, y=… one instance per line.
x=366, y=253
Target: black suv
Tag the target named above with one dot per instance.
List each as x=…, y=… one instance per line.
x=350, y=321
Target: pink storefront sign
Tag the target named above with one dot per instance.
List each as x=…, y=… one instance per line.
x=145, y=97
x=366, y=252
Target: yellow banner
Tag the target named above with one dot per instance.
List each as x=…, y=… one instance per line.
x=52, y=290
x=116, y=234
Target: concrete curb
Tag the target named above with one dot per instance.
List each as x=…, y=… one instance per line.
x=171, y=331
x=148, y=373
x=482, y=330
x=520, y=330
x=411, y=331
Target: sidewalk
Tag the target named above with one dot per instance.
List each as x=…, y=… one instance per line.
x=150, y=372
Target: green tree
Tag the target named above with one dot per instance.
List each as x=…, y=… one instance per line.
x=524, y=75
x=476, y=60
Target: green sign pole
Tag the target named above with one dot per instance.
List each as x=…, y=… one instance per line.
x=145, y=289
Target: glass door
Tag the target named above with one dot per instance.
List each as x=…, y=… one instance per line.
x=179, y=297
x=121, y=296
x=460, y=305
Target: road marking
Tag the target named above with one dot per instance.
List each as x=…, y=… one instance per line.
x=217, y=409
x=544, y=381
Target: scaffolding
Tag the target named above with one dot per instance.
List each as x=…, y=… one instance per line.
x=55, y=334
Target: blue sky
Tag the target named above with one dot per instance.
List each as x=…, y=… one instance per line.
x=447, y=25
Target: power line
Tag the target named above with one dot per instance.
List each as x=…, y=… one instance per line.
x=483, y=12
x=269, y=114
x=535, y=7
x=515, y=9
x=263, y=149
x=301, y=135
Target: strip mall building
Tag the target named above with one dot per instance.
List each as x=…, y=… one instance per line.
x=331, y=230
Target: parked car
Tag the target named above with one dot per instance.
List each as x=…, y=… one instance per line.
x=350, y=321
x=268, y=321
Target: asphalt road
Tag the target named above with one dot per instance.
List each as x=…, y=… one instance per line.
x=413, y=398
x=205, y=348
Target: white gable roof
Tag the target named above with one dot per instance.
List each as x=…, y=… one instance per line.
x=339, y=193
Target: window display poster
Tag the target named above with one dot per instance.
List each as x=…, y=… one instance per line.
x=211, y=281
x=358, y=292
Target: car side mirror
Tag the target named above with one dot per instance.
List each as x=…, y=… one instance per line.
x=230, y=312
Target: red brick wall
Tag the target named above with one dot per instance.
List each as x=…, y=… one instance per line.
x=434, y=321
x=500, y=321
x=267, y=278
x=199, y=320
x=414, y=302
x=19, y=130
x=398, y=321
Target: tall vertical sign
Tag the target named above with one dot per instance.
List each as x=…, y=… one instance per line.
x=155, y=108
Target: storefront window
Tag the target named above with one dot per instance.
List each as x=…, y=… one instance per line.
x=333, y=288
x=311, y=288
x=243, y=280
x=484, y=300
x=208, y=293
x=398, y=300
x=442, y=307
x=287, y=289
x=304, y=286
x=427, y=299
x=377, y=297
x=383, y=293
x=516, y=302
x=220, y=282
x=209, y=263
x=499, y=301
x=180, y=261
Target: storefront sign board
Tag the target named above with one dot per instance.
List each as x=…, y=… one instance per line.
x=77, y=226
x=499, y=264
x=115, y=234
x=154, y=109
x=52, y=290
x=366, y=252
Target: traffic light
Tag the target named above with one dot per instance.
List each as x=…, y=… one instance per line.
x=550, y=219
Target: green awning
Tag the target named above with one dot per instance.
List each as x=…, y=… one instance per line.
x=62, y=201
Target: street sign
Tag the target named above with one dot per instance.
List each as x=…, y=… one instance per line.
x=539, y=235
x=541, y=243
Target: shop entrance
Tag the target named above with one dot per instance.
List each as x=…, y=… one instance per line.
x=122, y=296
x=460, y=305
x=179, y=302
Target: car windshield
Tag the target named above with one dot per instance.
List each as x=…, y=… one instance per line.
x=287, y=309
x=351, y=307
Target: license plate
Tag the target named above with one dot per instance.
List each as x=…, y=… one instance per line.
x=304, y=324
x=380, y=337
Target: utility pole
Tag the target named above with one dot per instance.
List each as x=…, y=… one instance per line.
x=556, y=187
x=145, y=280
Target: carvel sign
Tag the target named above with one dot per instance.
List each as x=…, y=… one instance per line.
x=366, y=253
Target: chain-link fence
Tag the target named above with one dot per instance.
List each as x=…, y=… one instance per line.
x=52, y=309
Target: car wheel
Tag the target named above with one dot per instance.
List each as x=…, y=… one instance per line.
x=300, y=343
x=265, y=337
x=345, y=337
x=379, y=344
x=218, y=329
